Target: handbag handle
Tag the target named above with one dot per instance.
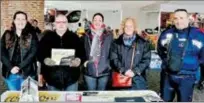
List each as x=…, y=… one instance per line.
x=133, y=55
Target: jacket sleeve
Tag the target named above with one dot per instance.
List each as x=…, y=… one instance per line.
x=44, y=49
x=38, y=30
x=162, y=50
x=201, y=59
x=115, y=61
x=4, y=54
x=32, y=54
x=145, y=61
x=80, y=50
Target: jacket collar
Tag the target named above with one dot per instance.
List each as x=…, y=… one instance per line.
x=120, y=39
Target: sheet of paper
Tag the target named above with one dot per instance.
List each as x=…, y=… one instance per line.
x=29, y=91
x=58, y=54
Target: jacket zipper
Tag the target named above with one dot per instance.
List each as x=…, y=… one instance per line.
x=97, y=70
x=60, y=41
x=21, y=56
x=13, y=50
x=62, y=76
x=89, y=42
x=62, y=79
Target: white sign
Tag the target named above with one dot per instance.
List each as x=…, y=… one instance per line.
x=58, y=54
x=84, y=96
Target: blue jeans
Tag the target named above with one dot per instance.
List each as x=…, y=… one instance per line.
x=71, y=87
x=182, y=85
x=14, y=82
x=198, y=75
x=139, y=83
x=98, y=83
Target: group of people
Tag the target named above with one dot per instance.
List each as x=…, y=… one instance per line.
x=98, y=55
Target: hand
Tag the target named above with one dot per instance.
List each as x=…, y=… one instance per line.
x=49, y=62
x=75, y=62
x=41, y=80
x=129, y=73
x=200, y=85
x=15, y=70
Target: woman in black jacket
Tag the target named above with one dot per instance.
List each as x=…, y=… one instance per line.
x=121, y=54
x=97, y=43
x=18, y=52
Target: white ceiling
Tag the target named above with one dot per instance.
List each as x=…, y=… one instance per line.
x=96, y=4
x=170, y=6
x=184, y=2
x=145, y=5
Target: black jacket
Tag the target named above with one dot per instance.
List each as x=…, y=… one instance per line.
x=121, y=55
x=28, y=65
x=103, y=66
x=60, y=76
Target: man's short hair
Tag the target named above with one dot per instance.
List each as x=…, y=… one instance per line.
x=60, y=14
x=34, y=20
x=178, y=10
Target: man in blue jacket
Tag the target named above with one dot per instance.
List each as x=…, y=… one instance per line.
x=181, y=49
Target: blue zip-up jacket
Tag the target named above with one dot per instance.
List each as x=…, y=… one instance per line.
x=194, y=53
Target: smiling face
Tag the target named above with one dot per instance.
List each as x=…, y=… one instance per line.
x=181, y=20
x=129, y=27
x=61, y=23
x=20, y=21
x=97, y=22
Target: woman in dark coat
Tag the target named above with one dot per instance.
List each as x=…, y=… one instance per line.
x=121, y=55
x=18, y=52
x=97, y=43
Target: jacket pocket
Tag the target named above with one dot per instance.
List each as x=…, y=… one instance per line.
x=91, y=70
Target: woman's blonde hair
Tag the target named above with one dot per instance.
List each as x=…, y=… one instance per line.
x=122, y=27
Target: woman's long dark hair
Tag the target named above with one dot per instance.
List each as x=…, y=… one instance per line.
x=25, y=32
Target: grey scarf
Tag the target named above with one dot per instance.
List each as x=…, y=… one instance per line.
x=96, y=45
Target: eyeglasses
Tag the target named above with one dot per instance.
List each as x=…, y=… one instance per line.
x=60, y=22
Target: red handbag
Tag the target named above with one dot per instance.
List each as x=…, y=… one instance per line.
x=120, y=80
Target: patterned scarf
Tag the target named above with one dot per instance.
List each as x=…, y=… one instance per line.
x=96, y=44
x=128, y=39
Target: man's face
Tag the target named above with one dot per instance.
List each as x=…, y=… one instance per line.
x=181, y=20
x=35, y=24
x=61, y=23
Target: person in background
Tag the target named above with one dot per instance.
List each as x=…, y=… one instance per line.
x=97, y=43
x=49, y=26
x=86, y=24
x=109, y=29
x=181, y=49
x=62, y=77
x=18, y=52
x=121, y=54
x=34, y=23
x=116, y=34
